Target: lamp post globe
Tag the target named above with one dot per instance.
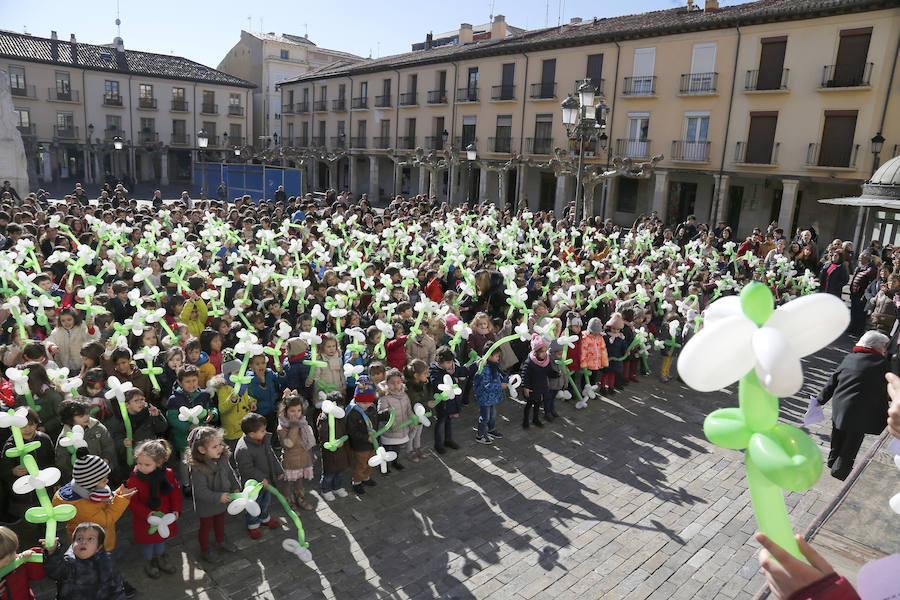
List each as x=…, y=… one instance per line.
x=586, y=93
x=202, y=139
x=569, y=111
x=118, y=143
x=471, y=153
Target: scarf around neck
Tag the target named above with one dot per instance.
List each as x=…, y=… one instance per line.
x=539, y=363
x=158, y=484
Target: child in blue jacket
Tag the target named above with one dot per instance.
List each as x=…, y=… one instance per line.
x=488, y=386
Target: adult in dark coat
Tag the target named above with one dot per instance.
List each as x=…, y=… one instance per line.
x=833, y=276
x=860, y=400
x=864, y=274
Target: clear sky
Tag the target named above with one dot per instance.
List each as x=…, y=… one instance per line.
x=205, y=30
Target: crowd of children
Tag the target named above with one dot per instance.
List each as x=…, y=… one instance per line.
x=247, y=318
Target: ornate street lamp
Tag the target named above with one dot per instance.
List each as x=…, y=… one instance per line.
x=877, y=146
x=583, y=121
x=202, y=143
x=118, y=143
x=471, y=155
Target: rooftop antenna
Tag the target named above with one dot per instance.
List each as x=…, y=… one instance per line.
x=491, y=19
x=547, y=15
x=249, y=23
x=559, y=10
x=118, y=21
x=377, y=49
x=306, y=29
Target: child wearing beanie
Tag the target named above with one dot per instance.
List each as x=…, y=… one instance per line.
x=594, y=354
x=536, y=373
x=616, y=346
x=362, y=420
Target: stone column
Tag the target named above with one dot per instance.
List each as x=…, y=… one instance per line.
x=501, y=188
x=98, y=177
x=422, y=174
x=353, y=173
x=660, y=192
x=164, y=167
x=451, y=191
x=86, y=158
x=373, y=179
x=482, y=186
x=132, y=169
x=612, y=191
x=562, y=196
x=788, y=204
x=721, y=183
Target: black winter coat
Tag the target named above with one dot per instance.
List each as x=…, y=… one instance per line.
x=96, y=578
x=859, y=391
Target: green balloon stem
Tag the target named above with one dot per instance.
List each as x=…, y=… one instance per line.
x=768, y=506
x=301, y=535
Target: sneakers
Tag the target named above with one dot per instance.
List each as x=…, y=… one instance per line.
x=341, y=493
x=254, y=533
x=397, y=465
x=483, y=439
x=369, y=483
x=451, y=444
x=328, y=496
x=359, y=488
x=271, y=524
x=130, y=590
x=495, y=434
x=226, y=546
x=412, y=457
x=151, y=569
x=162, y=562
x=213, y=558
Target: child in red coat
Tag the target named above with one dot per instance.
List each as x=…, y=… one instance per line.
x=574, y=325
x=14, y=585
x=156, y=505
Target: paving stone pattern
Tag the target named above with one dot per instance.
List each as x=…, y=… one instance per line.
x=625, y=499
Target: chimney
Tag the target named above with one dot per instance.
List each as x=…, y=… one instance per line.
x=53, y=35
x=575, y=21
x=465, y=33
x=72, y=38
x=498, y=28
x=711, y=6
x=119, y=44
x=429, y=41
x=54, y=46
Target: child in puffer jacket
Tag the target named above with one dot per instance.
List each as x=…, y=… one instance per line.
x=297, y=439
x=86, y=571
x=488, y=386
x=393, y=397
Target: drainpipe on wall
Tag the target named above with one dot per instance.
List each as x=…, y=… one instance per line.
x=88, y=168
x=133, y=136
x=451, y=172
x=349, y=137
x=714, y=205
x=194, y=121
x=397, y=174
x=604, y=195
x=521, y=176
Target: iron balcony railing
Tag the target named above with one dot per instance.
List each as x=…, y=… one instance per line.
x=434, y=142
x=358, y=142
x=639, y=86
x=180, y=139
x=698, y=84
x=743, y=155
x=503, y=144
x=112, y=100
x=759, y=80
x=817, y=156
x=318, y=141
x=66, y=132
x=179, y=106
x=359, y=103
x=288, y=109
x=406, y=142
x=236, y=110
x=690, y=151
x=320, y=105
x=148, y=137
x=437, y=97
x=57, y=95
x=633, y=148
x=301, y=107
x=381, y=142
x=110, y=133
x=462, y=141
x=26, y=91
x=338, y=141
x=301, y=141
x=539, y=145
x=339, y=105
x=209, y=109
x=383, y=101
x=148, y=103
x=503, y=92
x=857, y=75
x=467, y=94
x=545, y=90
x=409, y=99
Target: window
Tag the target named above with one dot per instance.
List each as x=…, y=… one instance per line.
x=17, y=80
x=148, y=125
x=503, y=133
x=507, y=82
x=851, y=69
x=642, y=72
x=771, y=63
x=442, y=81
x=703, y=66
x=543, y=134
x=145, y=90
x=323, y=93
x=836, y=149
x=179, y=128
x=696, y=131
x=305, y=95
x=548, y=79
x=112, y=89
x=468, y=130
x=210, y=127
x=114, y=123
x=65, y=124
x=285, y=54
x=23, y=117
x=364, y=89
x=322, y=130
x=472, y=81
x=386, y=88
x=234, y=99
x=234, y=134
x=209, y=104
x=761, y=137
x=63, y=86
x=386, y=128
x=636, y=136
x=594, y=70
x=342, y=91
x=178, y=94
x=361, y=129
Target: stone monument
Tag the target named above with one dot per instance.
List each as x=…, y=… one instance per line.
x=13, y=164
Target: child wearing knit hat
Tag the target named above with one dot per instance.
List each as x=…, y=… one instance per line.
x=362, y=420
x=536, y=373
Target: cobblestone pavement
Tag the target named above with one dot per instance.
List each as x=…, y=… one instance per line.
x=625, y=499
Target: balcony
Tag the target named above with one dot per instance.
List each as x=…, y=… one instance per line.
x=381, y=142
x=846, y=76
x=406, y=142
x=111, y=133
x=633, y=148
x=690, y=151
x=383, y=101
x=834, y=158
x=209, y=109
x=598, y=84
x=212, y=141
x=434, y=142
x=235, y=110
x=26, y=91
x=767, y=80
x=301, y=141
x=57, y=95
x=230, y=141
x=66, y=132
x=358, y=142
x=639, y=86
x=147, y=103
x=317, y=141
x=502, y=145
x=463, y=141
x=26, y=130
x=409, y=99
x=437, y=97
x=539, y=145
x=338, y=141
x=467, y=94
x=359, y=103
x=543, y=91
x=339, y=105
x=744, y=155
x=180, y=139
x=148, y=137
x=301, y=107
x=112, y=100
x=320, y=106
x=590, y=147
x=179, y=106
x=288, y=109
x=503, y=93
x=698, y=84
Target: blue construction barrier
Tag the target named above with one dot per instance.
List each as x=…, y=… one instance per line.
x=259, y=181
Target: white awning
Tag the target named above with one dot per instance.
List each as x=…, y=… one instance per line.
x=864, y=201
